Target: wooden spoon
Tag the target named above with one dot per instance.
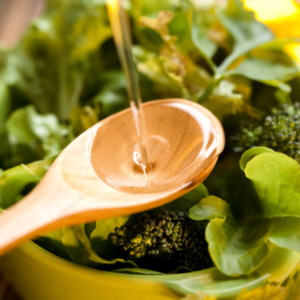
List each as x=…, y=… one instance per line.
x=95, y=176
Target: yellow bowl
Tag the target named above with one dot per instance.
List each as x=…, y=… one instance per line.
x=39, y=275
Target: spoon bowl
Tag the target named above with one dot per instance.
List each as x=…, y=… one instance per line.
x=95, y=177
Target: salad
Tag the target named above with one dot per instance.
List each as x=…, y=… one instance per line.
x=65, y=76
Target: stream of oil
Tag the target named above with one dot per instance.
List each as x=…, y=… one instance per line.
x=121, y=32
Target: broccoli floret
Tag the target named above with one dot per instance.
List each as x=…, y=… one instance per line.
x=167, y=235
x=279, y=131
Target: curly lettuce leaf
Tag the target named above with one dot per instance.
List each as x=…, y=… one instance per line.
x=225, y=100
x=180, y=68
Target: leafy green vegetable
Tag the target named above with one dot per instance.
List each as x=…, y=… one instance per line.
x=5, y=105
x=210, y=208
x=247, y=32
x=284, y=233
x=100, y=236
x=82, y=118
x=248, y=155
x=205, y=46
x=73, y=244
x=280, y=131
x=137, y=271
x=13, y=182
x=113, y=94
x=40, y=136
x=54, y=56
x=239, y=247
x=163, y=239
x=184, y=73
x=264, y=70
x=224, y=100
x=275, y=178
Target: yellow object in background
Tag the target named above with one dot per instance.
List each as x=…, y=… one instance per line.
x=282, y=16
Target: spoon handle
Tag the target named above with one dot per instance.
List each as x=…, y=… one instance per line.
x=37, y=213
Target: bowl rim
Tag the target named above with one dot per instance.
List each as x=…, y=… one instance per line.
x=30, y=246
x=210, y=281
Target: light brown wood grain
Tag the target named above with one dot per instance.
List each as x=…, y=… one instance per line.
x=71, y=191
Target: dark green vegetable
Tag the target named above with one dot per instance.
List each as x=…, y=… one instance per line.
x=165, y=235
x=279, y=131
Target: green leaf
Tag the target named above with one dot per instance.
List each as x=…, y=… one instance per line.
x=247, y=32
x=210, y=208
x=13, y=182
x=185, y=202
x=237, y=249
x=42, y=133
x=280, y=43
x=224, y=100
x=190, y=78
x=275, y=177
x=137, y=271
x=240, y=247
x=113, y=94
x=5, y=107
x=54, y=57
x=205, y=46
x=264, y=70
x=284, y=87
x=27, y=125
x=82, y=118
x=249, y=154
x=5, y=103
x=74, y=242
x=100, y=237
x=285, y=233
